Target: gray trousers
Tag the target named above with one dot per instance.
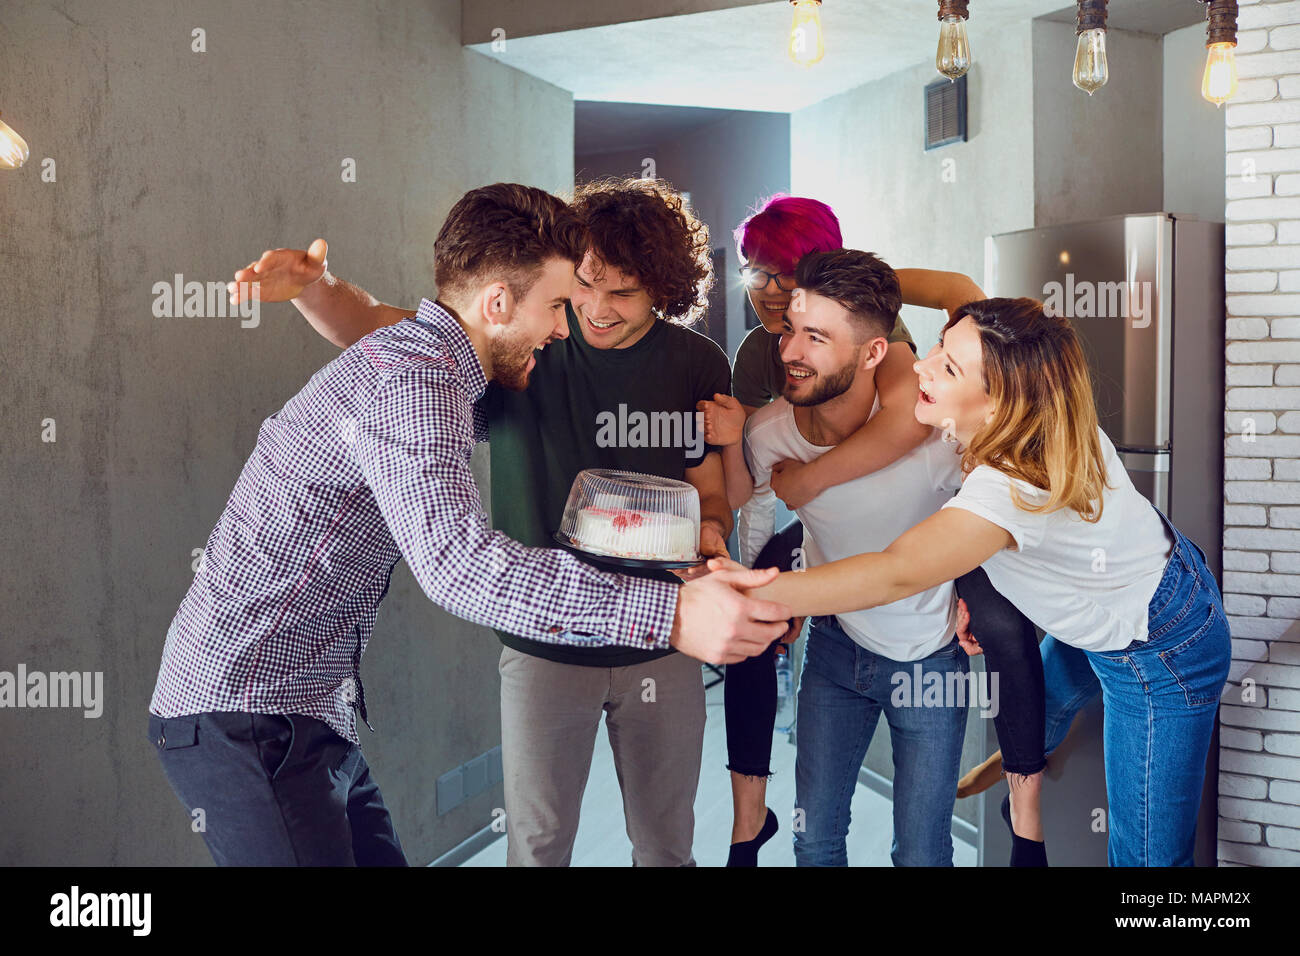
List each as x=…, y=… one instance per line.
x=549, y=716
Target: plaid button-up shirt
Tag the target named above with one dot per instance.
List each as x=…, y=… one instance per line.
x=369, y=463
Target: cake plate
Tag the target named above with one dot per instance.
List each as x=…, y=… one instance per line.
x=645, y=564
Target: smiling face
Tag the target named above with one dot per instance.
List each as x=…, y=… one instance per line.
x=518, y=327
x=614, y=309
x=821, y=351
x=771, y=301
x=952, y=395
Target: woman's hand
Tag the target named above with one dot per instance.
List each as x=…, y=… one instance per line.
x=964, y=637
x=724, y=419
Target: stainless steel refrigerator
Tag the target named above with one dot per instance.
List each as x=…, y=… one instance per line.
x=1146, y=295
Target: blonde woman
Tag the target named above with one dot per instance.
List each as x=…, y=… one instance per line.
x=1048, y=511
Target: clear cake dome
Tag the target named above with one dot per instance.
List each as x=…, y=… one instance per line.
x=625, y=514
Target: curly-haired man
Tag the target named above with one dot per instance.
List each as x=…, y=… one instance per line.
x=620, y=391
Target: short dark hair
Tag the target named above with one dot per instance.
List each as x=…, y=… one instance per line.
x=644, y=227
x=861, y=282
x=504, y=231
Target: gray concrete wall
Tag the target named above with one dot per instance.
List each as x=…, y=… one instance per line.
x=727, y=167
x=1098, y=155
x=171, y=161
x=1194, y=132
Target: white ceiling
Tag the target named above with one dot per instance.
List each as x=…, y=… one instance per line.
x=735, y=59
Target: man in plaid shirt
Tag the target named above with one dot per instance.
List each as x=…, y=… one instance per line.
x=640, y=286
x=254, y=712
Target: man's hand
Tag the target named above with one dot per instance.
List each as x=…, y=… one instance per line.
x=279, y=275
x=712, y=545
x=716, y=622
x=794, y=482
x=964, y=637
x=724, y=419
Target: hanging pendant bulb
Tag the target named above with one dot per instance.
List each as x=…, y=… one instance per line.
x=1090, y=73
x=953, y=56
x=1219, y=82
x=1090, y=69
x=13, y=148
x=806, y=44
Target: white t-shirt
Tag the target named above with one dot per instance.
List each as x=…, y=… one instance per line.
x=862, y=515
x=1087, y=584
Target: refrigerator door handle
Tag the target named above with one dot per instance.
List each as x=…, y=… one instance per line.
x=1150, y=475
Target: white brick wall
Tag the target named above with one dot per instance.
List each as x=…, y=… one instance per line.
x=1259, y=763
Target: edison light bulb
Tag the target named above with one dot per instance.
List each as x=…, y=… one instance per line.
x=1090, y=72
x=13, y=148
x=1220, y=80
x=806, y=46
x=953, y=58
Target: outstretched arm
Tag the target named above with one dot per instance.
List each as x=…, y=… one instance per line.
x=941, y=548
x=934, y=289
x=340, y=311
x=410, y=452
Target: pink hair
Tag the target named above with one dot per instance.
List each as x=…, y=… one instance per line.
x=785, y=229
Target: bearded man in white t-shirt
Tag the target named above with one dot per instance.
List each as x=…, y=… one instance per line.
x=899, y=659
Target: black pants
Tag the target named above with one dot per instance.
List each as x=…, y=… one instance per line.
x=1010, y=650
x=749, y=692
x=276, y=790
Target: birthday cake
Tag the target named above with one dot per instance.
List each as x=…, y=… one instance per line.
x=644, y=535
x=628, y=515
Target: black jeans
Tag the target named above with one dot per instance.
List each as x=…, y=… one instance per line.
x=1011, y=652
x=275, y=790
x=1010, y=646
x=749, y=692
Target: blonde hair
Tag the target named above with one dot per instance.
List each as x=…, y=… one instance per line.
x=1044, y=424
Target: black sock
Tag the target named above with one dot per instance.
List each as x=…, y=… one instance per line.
x=745, y=853
x=1023, y=852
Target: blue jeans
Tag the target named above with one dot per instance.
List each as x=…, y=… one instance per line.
x=1160, y=697
x=842, y=692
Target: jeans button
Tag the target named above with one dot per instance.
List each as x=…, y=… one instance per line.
x=162, y=740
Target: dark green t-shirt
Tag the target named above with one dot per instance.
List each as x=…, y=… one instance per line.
x=583, y=408
x=759, y=376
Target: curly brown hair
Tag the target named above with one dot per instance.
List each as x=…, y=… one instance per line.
x=644, y=228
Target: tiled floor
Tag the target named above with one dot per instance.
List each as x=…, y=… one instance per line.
x=602, y=840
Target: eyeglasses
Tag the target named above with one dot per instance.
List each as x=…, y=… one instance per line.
x=759, y=278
